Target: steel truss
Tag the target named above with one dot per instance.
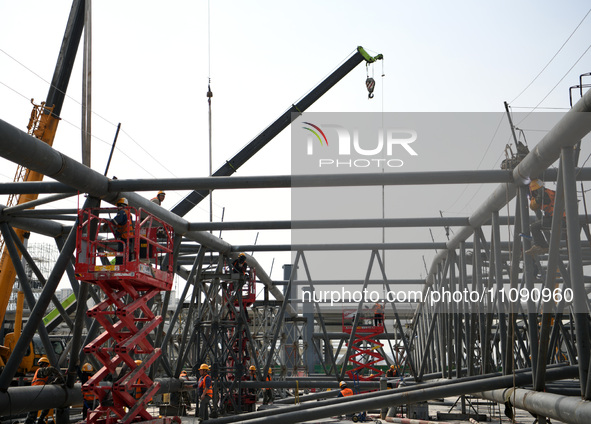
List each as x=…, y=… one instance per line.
x=446, y=339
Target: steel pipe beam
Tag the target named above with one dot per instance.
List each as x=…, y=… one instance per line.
x=17, y=400
x=329, y=223
x=339, y=336
x=308, y=384
x=286, y=181
x=306, y=398
x=568, y=409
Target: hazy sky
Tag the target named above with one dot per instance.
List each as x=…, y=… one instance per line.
x=152, y=60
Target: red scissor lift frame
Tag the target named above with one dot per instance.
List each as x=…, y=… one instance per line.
x=124, y=314
x=365, y=335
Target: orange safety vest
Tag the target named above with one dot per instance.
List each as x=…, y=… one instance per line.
x=347, y=392
x=138, y=390
x=125, y=231
x=549, y=208
x=39, y=381
x=202, y=388
x=268, y=378
x=547, y=201
x=88, y=396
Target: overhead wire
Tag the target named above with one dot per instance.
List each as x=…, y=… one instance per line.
x=553, y=57
x=130, y=158
x=556, y=85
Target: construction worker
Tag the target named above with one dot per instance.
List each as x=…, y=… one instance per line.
x=205, y=392
x=123, y=229
x=139, y=391
x=392, y=372
x=239, y=265
x=87, y=395
x=541, y=198
x=159, y=198
x=45, y=374
x=268, y=391
x=345, y=391
x=252, y=376
x=185, y=398
x=378, y=315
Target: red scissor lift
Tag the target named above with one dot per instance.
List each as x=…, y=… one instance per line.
x=129, y=284
x=365, y=344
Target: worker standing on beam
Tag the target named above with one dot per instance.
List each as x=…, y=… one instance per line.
x=268, y=391
x=205, y=393
x=89, y=399
x=159, y=198
x=46, y=374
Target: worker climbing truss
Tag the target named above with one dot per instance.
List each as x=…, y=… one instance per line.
x=140, y=272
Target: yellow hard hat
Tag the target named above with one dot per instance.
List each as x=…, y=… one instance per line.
x=242, y=255
x=87, y=367
x=122, y=201
x=252, y=368
x=392, y=366
x=161, y=192
x=270, y=370
x=342, y=384
x=138, y=362
x=204, y=367
x=43, y=360
x=536, y=184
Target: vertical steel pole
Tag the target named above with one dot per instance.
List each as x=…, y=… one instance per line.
x=550, y=283
x=496, y=237
x=573, y=229
x=532, y=316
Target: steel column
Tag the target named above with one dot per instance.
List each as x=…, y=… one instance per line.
x=581, y=310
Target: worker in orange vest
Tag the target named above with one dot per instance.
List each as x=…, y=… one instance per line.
x=205, y=392
x=45, y=374
x=345, y=391
x=87, y=395
x=542, y=199
x=268, y=391
x=159, y=198
x=378, y=314
x=139, y=391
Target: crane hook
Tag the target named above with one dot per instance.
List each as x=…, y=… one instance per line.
x=370, y=83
